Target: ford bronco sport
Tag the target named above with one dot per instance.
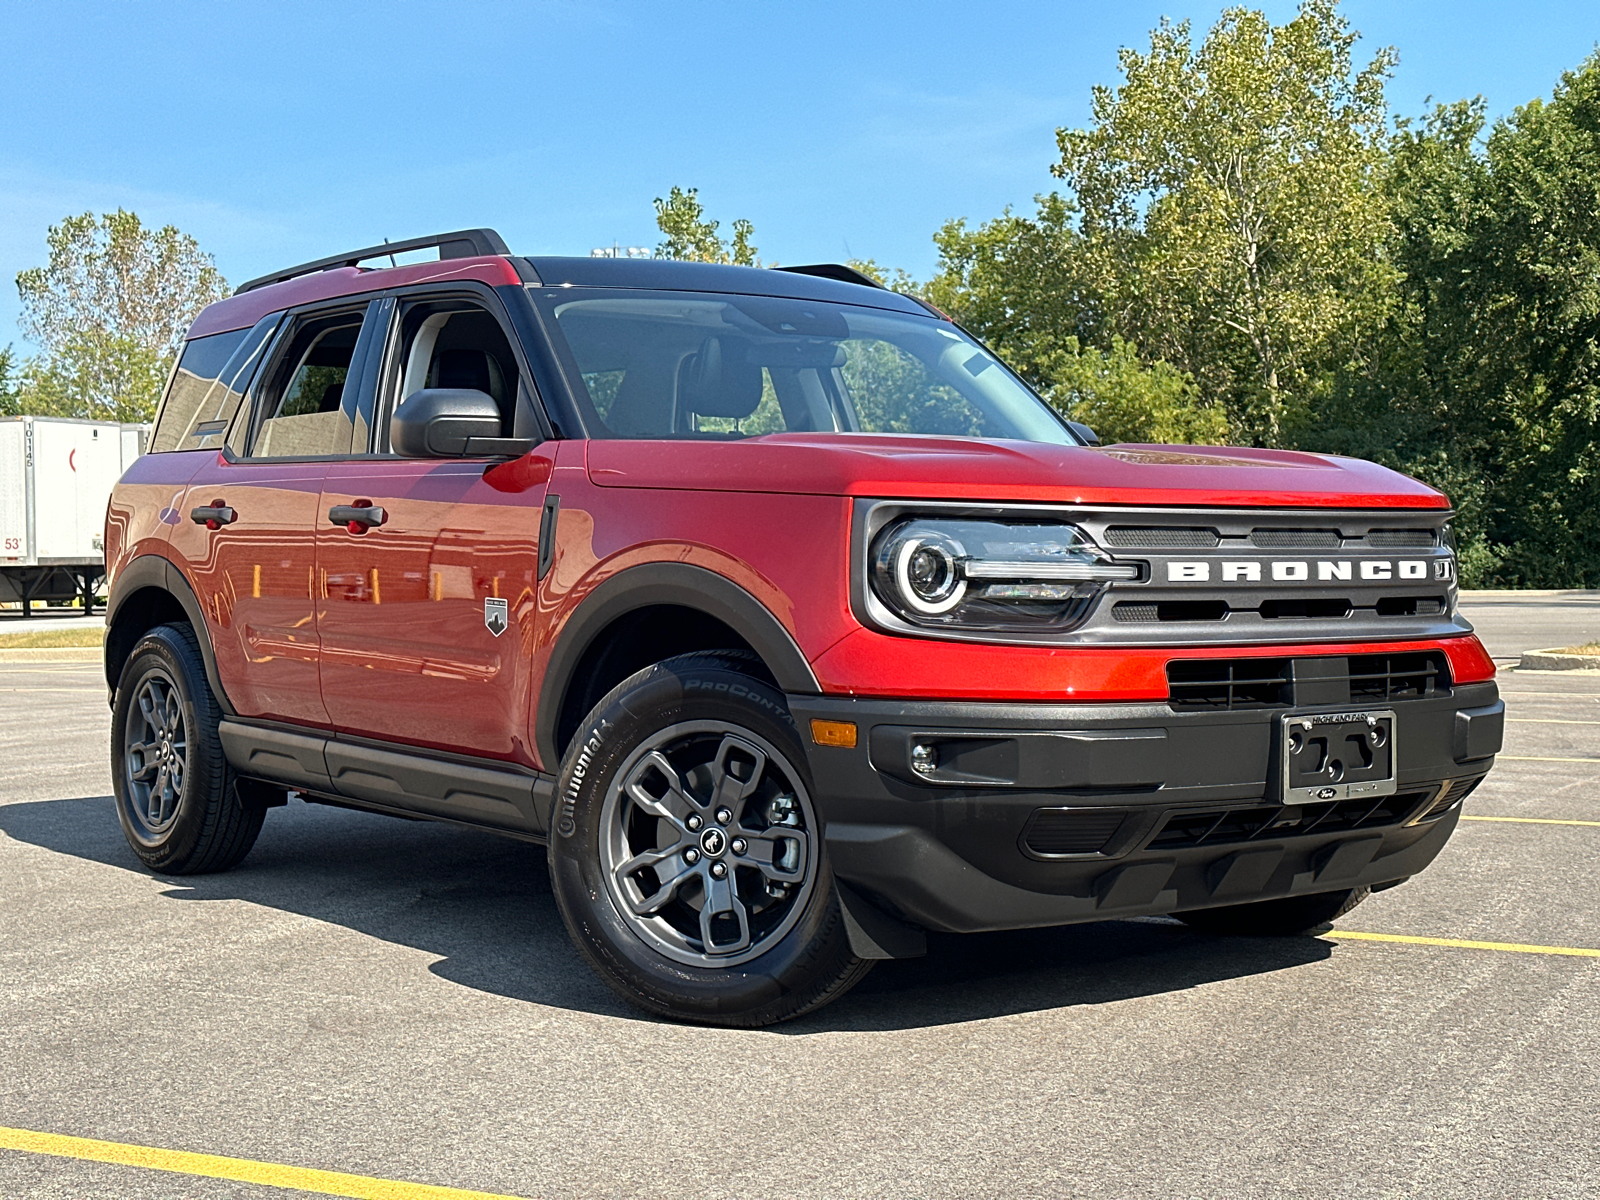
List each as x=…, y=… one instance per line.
x=790, y=619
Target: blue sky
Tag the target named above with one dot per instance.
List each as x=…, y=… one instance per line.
x=277, y=133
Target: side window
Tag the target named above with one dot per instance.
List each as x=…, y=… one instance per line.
x=457, y=344
x=192, y=400
x=301, y=406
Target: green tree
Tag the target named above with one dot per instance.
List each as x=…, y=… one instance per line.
x=1485, y=378
x=896, y=279
x=1230, y=211
x=1124, y=400
x=1415, y=398
x=109, y=311
x=692, y=238
x=8, y=383
x=1022, y=284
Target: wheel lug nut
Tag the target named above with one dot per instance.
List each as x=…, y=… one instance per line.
x=738, y=845
x=694, y=823
x=724, y=815
x=691, y=857
x=719, y=870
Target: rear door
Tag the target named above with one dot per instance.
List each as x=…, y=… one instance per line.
x=427, y=608
x=253, y=563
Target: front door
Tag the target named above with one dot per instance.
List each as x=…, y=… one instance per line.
x=426, y=605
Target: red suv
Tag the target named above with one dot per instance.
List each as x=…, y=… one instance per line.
x=784, y=612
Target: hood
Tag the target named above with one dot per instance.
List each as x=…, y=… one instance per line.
x=934, y=468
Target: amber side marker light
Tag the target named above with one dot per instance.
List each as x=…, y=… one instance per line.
x=834, y=733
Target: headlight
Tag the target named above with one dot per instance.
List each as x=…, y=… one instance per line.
x=998, y=575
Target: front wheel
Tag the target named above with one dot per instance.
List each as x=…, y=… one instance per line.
x=687, y=858
x=1287, y=917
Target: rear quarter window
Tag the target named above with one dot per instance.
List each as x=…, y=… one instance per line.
x=213, y=373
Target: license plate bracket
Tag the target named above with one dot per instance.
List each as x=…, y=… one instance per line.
x=1336, y=756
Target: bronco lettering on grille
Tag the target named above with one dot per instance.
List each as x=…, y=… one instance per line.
x=1367, y=570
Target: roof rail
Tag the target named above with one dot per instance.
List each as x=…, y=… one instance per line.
x=463, y=243
x=835, y=271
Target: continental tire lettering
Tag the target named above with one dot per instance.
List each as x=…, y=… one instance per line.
x=742, y=692
x=566, y=814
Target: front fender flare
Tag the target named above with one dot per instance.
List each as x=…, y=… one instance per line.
x=647, y=586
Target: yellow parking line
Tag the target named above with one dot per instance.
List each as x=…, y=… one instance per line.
x=1513, y=947
x=1533, y=821
x=1532, y=758
x=1547, y=721
x=242, y=1170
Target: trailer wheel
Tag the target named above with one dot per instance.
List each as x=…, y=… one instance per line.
x=179, y=803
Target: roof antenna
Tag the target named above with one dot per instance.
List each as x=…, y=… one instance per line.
x=392, y=262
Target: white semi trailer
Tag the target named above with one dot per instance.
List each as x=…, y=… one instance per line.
x=56, y=476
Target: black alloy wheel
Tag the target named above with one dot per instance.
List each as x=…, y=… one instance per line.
x=181, y=808
x=687, y=857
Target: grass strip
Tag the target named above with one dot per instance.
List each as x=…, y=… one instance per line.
x=53, y=639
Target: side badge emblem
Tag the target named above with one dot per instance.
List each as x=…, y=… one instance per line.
x=497, y=616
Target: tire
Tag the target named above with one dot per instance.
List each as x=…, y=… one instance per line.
x=181, y=808
x=686, y=769
x=1289, y=917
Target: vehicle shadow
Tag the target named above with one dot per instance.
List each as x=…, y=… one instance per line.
x=483, y=905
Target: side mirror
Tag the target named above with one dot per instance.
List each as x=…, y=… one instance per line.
x=450, y=423
x=1086, y=435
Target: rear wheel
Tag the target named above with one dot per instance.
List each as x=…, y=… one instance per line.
x=687, y=858
x=180, y=806
x=1287, y=917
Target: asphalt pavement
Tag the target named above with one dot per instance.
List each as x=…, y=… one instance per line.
x=399, y=1000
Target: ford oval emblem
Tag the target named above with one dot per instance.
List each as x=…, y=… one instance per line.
x=1326, y=793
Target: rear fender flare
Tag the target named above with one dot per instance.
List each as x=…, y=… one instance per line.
x=155, y=571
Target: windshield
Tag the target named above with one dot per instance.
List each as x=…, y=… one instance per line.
x=693, y=365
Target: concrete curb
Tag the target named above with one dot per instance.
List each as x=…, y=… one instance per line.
x=1530, y=594
x=60, y=654
x=1554, y=660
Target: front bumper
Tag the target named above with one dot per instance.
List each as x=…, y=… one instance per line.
x=1054, y=814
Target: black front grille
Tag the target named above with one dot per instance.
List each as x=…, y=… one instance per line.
x=1234, y=683
x=1411, y=606
x=1401, y=538
x=1231, y=826
x=1410, y=676
x=1144, y=537
x=1453, y=795
x=1314, y=608
x=1229, y=683
x=1278, y=539
x=1171, y=610
x=1053, y=831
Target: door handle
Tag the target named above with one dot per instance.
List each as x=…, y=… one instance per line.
x=358, y=517
x=214, y=515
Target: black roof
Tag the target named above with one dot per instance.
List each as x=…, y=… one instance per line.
x=667, y=275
